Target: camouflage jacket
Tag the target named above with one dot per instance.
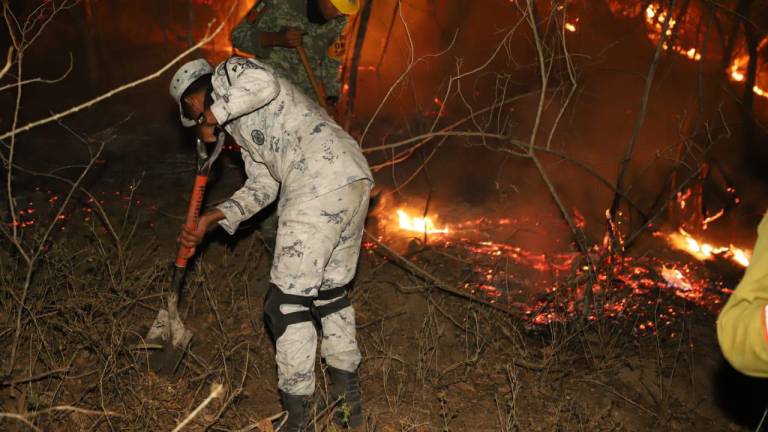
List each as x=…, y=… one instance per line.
x=288, y=142
x=279, y=15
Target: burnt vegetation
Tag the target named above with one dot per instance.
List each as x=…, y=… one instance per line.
x=567, y=194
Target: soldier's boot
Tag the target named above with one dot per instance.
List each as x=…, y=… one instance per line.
x=299, y=410
x=346, y=386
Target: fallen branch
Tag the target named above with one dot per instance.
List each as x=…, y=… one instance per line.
x=434, y=281
x=26, y=418
x=70, y=408
x=217, y=390
x=33, y=378
x=235, y=394
x=378, y=320
x=265, y=424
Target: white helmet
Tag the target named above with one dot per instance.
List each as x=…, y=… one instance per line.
x=186, y=75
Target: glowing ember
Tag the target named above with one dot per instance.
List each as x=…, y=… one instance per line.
x=570, y=27
x=550, y=287
x=693, y=55
x=712, y=218
x=423, y=225
x=681, y=240
x=654, y=19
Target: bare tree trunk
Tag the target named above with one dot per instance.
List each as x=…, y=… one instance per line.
x=613, y=212
x=91, y=42
x=388, y=36
x=747, y=101
x=674, y=212
x=730, y=43
x=362, y=26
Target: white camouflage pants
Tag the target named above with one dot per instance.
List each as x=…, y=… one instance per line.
x=318, y=246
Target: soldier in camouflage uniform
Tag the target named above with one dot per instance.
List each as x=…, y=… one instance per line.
x=291, y=145
x=273, y=28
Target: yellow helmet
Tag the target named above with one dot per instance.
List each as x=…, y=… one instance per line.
x=347, y=7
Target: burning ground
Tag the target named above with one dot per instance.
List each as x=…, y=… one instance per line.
x=546, y=287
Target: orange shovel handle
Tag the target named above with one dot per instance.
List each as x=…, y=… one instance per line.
x=193, y=217
x=317, y=86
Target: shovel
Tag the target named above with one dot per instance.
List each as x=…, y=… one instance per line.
x=168, y=331
x=317, y=86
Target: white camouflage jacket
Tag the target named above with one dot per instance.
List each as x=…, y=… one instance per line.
x=288, y=143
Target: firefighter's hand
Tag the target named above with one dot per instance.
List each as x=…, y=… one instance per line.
x=289, y=38
x=190, y=238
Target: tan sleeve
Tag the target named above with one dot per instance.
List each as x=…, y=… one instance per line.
x=741, y=326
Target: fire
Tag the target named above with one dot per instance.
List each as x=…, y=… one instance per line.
x=741, y=256
x=684, y=37
x=655, y=18
x=538, y=284
x=423, y=225
x=738, y=71
x=682, y=240
x=708, y=220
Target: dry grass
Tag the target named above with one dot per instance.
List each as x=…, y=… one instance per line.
x=431, y=361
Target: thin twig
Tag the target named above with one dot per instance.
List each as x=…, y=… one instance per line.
x=58, y=116
x=437, y=283
x=8, y=63
x=40, y=80
x=43, y=375
x=217, y=390
x=643, y=110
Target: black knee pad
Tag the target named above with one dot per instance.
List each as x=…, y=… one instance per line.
x=275, y=319
x=340, y=303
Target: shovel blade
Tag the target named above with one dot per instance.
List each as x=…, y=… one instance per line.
x=173, y=338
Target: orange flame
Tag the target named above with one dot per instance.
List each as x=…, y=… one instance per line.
x=681, y=240
x=654, y=19
x=423, y=225
x=737, y=71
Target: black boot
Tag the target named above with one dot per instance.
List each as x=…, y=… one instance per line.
x=346, y=386
x=298, y=408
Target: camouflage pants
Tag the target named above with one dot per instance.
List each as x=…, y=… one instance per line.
x=318, y=246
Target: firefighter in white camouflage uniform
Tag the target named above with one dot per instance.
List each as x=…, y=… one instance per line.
x=272, y=30
x=288, y=143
